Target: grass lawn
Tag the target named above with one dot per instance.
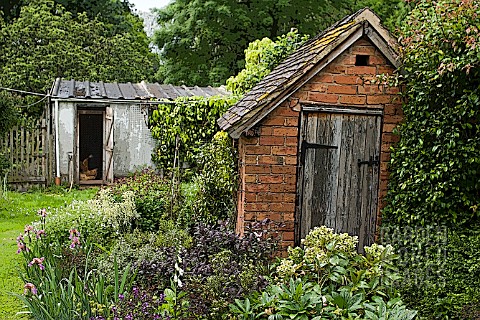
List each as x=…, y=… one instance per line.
x=16, y=211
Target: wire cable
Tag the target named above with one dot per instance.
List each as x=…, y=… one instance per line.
x=32, y=104
x=26, y=92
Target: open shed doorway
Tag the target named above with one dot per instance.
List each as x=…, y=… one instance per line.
x=91, y=146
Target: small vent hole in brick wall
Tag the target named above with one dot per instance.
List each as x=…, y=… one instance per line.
x=361, y=60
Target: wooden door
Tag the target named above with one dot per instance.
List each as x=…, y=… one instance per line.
x=108, y=145
x=339, y=168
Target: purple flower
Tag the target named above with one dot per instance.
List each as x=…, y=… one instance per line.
x=21, y=247
x=39, y=262
x=74, y=233
x=75, y=242
x=75, y=237
x=135, y=291
x=40, y=233
x=42, y=212
x=28, y=228
x=121, y=297
x=30, y=287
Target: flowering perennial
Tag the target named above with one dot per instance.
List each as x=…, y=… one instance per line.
x=37, y=261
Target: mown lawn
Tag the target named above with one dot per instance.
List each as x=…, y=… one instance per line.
x=16, y=211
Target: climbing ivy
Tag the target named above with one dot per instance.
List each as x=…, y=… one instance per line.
x=435, y=168
x=193, y=120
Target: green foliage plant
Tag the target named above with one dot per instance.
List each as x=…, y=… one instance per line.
x=435, y=166
x=261, y=57
x=192, y=120
x=214, y=193
x=99, y=220
x=152, y=197
x=328, y=279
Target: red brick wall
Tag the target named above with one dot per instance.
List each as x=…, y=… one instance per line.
x=269, y=162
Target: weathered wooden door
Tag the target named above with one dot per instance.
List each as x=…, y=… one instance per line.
x=338, y=178
x=108, y=145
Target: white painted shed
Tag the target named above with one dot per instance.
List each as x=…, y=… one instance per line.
x=100, y=130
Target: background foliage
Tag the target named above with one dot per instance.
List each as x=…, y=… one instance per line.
x=47, y=41
x=201, y=41
x=261, y=57
x=435, y=168
x=436, y=165
x=193, y=120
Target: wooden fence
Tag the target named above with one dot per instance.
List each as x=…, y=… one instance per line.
x=27, y=148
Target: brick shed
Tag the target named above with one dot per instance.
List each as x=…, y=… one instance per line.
x=314, y=135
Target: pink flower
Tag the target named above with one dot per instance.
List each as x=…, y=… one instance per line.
x=38, y=261
x=74, y=233
x=29, y=287
x=75, y=237
x=28, y=228
x=40, y=233
x=21, y=247
x=20, y=238
x=75, y=241
x=42, y=212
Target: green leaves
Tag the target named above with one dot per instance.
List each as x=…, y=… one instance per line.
x=46, y=42
x=193, y=120
x=203, y=42
x=435, y=167
x=261, y=57
x=328, y=279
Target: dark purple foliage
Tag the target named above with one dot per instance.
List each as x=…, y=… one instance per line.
x=139, y=305
x=201, y=270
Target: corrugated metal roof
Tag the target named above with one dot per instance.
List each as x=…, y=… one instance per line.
x=294, y=67
x=65, y=89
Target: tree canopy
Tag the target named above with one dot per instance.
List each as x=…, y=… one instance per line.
x=47, y=41
x=201, y=41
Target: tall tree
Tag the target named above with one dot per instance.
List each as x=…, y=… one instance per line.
x=202, y=41
x=47, y=41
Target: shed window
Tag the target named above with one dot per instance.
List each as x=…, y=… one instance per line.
x=361, y=60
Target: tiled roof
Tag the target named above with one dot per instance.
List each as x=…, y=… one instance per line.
x=293, y=68
x=65, y=89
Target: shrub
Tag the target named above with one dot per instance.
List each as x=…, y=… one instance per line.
x=217, y=268
x=435, y=166
x=185, y=126
x=98, y=220
x=136, y=247
x=152, y=197
x=440, y=269
x=212, y=194
x=328, y=279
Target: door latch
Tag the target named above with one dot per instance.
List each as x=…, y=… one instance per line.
x=373, y=161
